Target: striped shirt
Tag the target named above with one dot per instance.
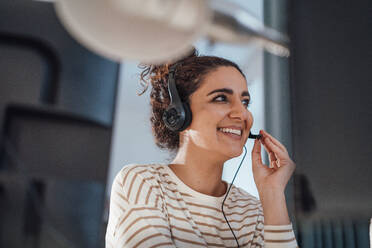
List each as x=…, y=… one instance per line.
x=151, y=207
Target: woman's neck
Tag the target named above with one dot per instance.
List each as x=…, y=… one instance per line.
x=199, y=169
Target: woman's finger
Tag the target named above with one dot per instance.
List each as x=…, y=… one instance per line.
x=272, y=156
x=273, y=164
x=275, y=141
x=256, y=153
x=271, y=147
x=278, y=163
x=272, y=159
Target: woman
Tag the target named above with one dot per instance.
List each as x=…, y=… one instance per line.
x=180, y=204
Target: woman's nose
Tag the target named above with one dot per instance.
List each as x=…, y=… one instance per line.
x=239, y=111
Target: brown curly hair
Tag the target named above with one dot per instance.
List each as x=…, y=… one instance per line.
x=191, y=71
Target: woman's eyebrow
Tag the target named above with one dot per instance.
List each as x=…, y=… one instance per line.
x=227, y=91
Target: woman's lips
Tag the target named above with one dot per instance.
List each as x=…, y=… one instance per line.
x=231, y=135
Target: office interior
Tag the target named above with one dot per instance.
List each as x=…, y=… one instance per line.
x=65, y=131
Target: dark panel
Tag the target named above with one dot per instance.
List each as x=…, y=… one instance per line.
x=55, y=146
x=12, y=199
x=87, y=82
x=331, y=86
x=73, y=210
x=53, y=179
x=24, y=87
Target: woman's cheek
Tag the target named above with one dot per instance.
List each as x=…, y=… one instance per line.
x=250, y=120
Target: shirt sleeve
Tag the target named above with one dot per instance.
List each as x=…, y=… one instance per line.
x=273, y=236
x=279, y=236
x=136, y=218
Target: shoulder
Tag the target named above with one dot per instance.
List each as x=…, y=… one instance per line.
x=140, y=181
x=240, y=195
x=151, y=172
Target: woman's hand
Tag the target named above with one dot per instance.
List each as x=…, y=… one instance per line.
x=272, y=180
x=275, y=176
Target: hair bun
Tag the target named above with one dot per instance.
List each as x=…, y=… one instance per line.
x=158, y=74
x=190, y=54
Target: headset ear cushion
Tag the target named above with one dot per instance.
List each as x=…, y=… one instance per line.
x=188, y=116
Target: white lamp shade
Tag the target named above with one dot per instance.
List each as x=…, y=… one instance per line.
x=152, y=36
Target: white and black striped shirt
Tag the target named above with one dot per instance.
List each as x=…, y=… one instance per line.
x=151, y=207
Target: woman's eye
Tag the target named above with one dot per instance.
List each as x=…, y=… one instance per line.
x=223, y=98
x=247, y=102
x=220, y=98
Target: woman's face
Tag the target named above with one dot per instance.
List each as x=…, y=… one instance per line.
x=221, y=121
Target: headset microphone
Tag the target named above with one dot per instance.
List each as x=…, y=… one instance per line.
x=254, y=136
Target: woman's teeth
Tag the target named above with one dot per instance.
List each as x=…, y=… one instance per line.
x=229, y=130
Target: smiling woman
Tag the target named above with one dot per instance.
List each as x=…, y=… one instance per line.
x=219, y=108
x=180, y=204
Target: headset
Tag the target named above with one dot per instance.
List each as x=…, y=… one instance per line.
x=177, y=117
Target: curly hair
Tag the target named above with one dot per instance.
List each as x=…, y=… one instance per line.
x=191, y=71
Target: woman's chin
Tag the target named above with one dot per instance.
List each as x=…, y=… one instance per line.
x=232, y=153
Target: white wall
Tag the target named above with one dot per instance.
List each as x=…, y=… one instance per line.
x=132, y=139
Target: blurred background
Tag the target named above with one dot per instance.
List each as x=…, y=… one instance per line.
x=70, y=119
